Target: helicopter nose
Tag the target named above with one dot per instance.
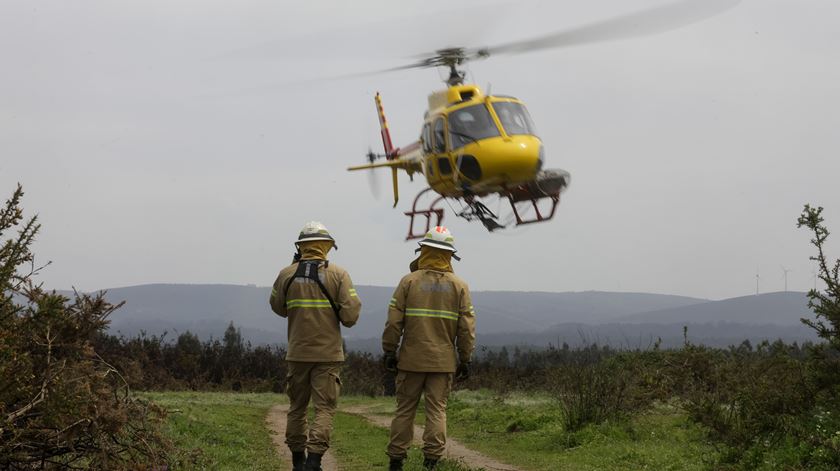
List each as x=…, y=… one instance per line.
x=524, y=156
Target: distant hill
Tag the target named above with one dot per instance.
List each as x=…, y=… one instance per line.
x=207, y=309
x=503, y=318
x=633, y=336
x=782, y=308
x=509, y=311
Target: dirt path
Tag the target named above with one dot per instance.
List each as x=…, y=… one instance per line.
x=276, y=421
x=454, y=449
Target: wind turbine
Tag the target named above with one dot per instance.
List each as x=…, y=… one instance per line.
x=756, y=281
x=785, y=271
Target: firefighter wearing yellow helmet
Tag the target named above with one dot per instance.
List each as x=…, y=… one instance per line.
x=316, y=296
x=432, y=320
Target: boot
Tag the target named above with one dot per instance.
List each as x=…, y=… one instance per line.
x=313, y=462
x=298, y=460
x=396, y=464
x=429, y=463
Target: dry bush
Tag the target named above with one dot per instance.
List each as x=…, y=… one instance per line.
x=61, y=404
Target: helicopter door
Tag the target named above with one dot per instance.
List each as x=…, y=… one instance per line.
x=441, y=157
x=438, y=147
x=426, y=138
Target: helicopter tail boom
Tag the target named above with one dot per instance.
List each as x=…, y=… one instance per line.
x=396, y=164
x=408, y=158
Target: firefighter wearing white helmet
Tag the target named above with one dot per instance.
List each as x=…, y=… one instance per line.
x=316, y=297
x=439, y=238
x=312, y=231
x=432, y=320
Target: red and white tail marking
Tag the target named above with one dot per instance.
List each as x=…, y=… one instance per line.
x=386, y=134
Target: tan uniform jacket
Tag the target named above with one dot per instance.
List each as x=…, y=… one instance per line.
x=313, y=333
x=432, y=312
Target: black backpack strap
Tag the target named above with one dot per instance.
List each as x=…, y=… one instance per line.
x=309, y=269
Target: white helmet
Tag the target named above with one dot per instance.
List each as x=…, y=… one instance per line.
x=439, y=238
x=314, y=230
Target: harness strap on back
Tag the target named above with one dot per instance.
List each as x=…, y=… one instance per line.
x=309, y=269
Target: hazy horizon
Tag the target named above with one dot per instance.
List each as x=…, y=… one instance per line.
x=268, y=285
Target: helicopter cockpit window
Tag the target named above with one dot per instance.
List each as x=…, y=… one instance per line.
x=440, y=136
x=514, y=118
x=427, y=138
x=444, y=166
x=470, y=124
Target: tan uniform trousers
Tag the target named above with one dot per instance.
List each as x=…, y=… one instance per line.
x=319, y=382
x=435, y=387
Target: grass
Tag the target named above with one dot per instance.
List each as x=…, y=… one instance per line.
x=358, y=445
x=527, y=431
x=523, y=430
x=228, y=429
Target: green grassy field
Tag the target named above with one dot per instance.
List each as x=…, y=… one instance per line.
x=526, y=430
x=228, y=428
x=359, y=445
x=523, y=430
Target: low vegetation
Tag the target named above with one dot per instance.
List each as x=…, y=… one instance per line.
x=528, y=430
x=359, y=445
x=61, y=403
x=219, y=430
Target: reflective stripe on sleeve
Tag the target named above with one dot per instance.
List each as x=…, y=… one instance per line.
x=416, y=312
x=306, y=303
x=393, y=302
x=353, y=293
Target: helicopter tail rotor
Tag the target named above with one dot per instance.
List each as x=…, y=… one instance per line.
x=373, y=180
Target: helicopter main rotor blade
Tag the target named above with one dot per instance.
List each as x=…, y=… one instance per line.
x=642, y=23
x=417, y=65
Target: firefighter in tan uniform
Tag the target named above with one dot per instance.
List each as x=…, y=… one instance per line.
x=432, y=320
x=315, y=295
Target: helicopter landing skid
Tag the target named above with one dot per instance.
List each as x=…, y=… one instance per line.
x=521, y=194
x=427, y=213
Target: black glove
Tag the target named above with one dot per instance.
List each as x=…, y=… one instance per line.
x=389, y=361
x=463, y=371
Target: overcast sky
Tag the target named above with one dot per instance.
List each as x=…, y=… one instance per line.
x=188, y=142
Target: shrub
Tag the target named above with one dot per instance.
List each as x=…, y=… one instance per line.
x=825, y=304
x=61, y=404
x=745, y=398
x=595, y=385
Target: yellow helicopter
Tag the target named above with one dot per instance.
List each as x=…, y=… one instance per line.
x=473, y=145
